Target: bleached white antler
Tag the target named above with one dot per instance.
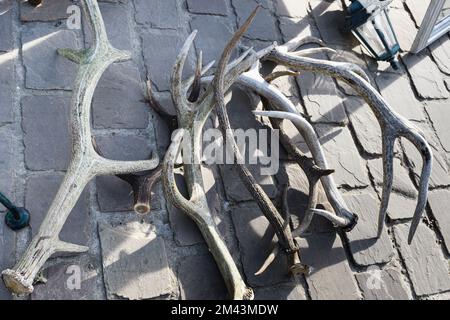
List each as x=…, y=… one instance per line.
x=85, y=162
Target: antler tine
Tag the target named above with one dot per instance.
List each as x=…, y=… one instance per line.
x=388, y=177
x=427, y=157
x=100, y=39
x=197, y=83
x=277, y=74
x=270, y=258
x=178, y=93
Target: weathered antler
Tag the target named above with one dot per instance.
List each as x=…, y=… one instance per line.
x=192, y=116
x=392, y=124
x=85, y=162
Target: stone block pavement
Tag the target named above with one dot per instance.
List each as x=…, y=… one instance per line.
x=162, y=255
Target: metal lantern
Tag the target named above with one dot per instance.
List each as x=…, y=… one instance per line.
x=369, y=22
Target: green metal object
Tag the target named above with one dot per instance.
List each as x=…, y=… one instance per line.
x=16, y=218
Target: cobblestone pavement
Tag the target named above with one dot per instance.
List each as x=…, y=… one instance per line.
x=163, y=256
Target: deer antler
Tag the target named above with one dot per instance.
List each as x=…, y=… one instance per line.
x=253, y=81
x=392, y=124
x=192, y=114
x=85, y=162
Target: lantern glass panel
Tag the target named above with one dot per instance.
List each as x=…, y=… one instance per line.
x=368, y=36
x=383, y=24
x=372, y=34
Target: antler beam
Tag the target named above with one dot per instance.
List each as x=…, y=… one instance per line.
x=85, y=162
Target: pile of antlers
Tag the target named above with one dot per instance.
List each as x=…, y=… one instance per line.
x=194, y=99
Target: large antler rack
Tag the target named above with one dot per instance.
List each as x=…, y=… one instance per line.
x=392, y=124
x=192, y=114
x=85, y=162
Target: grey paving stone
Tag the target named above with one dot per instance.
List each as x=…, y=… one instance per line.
x=160, y=62
x=400, y=206
x=6, y=33
x=185, y=230
x=7, y=80
x=281, y=292
x=263, y=27
x=44, y=68
x=158, y=14
x=440, y=51
x=331, y=277
x=7, y=259
x=213, y=34
x=291, y=27
x=236, y=191
x=439, y=175
x=402, y=182
x=364, y=245
x=200, y=279
x=7, y=161
x=418, y=9
x=49, y=10
x=386, y=284
x=321, y=98
x=439, y=201
x=290, y=8
x=40, y=192
x=114, y=194
x=133, y=257
x=404, y=28
x=341, y=152
x=440, y=116
x=365, y=124
x=45, y=123
x=255, y=242
x=119, y=99
x=218, y=7
x=330, y=19
x=405, y=103
x=426, y=265
x=79, y=280
x=124, y=147
x=426, y=77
